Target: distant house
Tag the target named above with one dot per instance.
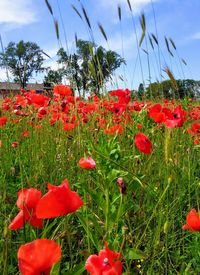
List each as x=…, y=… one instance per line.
x=11, y=88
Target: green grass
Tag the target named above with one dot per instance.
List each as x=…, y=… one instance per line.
x=146, y=223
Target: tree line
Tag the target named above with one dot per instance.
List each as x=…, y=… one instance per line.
x=86, y=69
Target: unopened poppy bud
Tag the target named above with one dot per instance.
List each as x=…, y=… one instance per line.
x=12, y=170
x=121, y=184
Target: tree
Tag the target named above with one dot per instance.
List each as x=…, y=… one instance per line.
x=185, y=88
x=53, y=77
x=90, y=66
x=141, y=90
x=22, y=60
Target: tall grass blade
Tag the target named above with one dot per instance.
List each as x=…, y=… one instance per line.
x=103, y=31
x=143, y=22
x=46, y=54
x=171, y=76
x=57, y=29
x=119, y=13
x=141, y=39
x=145, y=51
x=49, y=7
x=173, y=44
x=154, y=38
x=129, y=4
x=167, y=45
x=184, y=62
x=86, y=17
x=143, y=26
x=76, y=39
x=77, y=12
x=151, y=42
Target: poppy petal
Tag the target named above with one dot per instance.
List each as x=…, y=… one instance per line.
x=93, y=265
x=28, y=197
x=19, y=221
x=193, y=221
x=38, y=256
x=58, y=201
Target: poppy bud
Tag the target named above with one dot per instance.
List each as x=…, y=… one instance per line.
x=122, y=186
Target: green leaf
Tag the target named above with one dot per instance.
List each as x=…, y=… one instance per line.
x=78, y=270
x=134, y=254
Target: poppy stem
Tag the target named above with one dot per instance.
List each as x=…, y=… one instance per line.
x=119, y=209
x=107, y=210
x=167, y=142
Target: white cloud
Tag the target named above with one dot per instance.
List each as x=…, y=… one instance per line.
x=115, y=43
x=52, y=52
x=3, y=75
x=20, y=12
x=52, y=64
x=137, y=5
x=196, y=35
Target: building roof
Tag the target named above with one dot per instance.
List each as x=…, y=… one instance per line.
x=11, y=86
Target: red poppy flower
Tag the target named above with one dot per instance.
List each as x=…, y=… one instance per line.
x=143, y=143
x=87, y=163
x=5, y=106
x=106, y=263
x=41, y=112
x=27, y=202
x=192, y=221
x=124, y=96
x=37, y=257
x=194, y=129
x=54, y=118
x=25, y=133
x=63, y=90
x=14, y=144
x=177, y=118
x=115, y=129
x=39, y=100
x=68, y=126
x=139, y=126
x=196, y=141
x=136, y=106
x=89, y=108
x=156, y=112
x=3, y=120
x=117, y=108
x=58, y=201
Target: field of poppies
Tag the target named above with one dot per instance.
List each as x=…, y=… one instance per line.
x=101, y=186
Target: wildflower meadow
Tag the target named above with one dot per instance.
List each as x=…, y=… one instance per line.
x=104, y=185
x=97, y=178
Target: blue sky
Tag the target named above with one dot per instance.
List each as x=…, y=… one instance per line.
x=30, y=20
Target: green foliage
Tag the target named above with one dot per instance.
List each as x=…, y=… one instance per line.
x=90, y=67
x=22, y=60
x=53, y=77
x=185, y=88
